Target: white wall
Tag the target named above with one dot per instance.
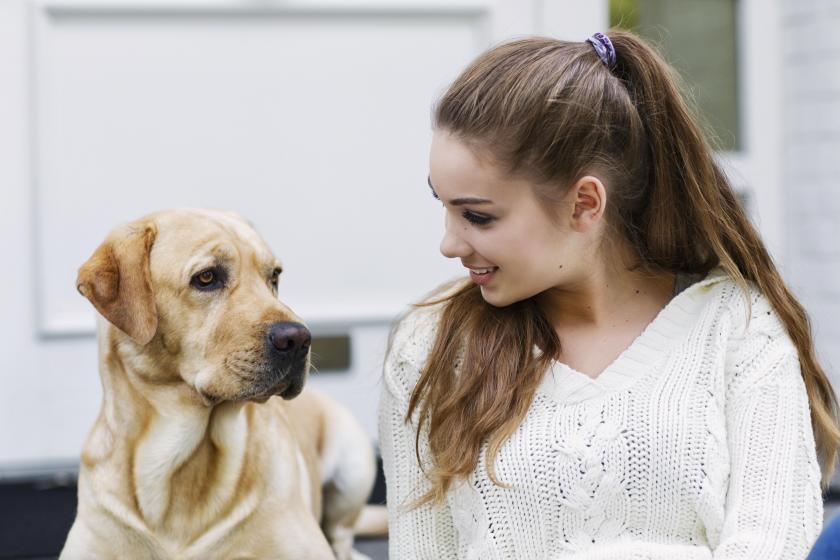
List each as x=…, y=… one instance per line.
x=812, y=168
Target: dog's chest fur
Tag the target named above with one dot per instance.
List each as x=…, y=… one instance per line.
x=194, y=482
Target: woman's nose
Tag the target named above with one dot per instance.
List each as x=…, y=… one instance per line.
x=451, y=245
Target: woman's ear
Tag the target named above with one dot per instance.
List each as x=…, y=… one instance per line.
x=117, y=281
x=589, y=200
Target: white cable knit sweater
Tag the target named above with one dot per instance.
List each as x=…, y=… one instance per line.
x=695, y=443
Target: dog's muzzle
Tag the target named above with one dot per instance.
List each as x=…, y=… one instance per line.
x=288, y=350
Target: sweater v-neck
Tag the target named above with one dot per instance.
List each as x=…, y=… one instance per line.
x=567, y=385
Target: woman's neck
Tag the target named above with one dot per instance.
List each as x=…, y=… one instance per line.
x=602, y=294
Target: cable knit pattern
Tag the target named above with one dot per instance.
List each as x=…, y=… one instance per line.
x=695, y=443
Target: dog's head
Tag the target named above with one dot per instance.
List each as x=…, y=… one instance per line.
x=194, y=296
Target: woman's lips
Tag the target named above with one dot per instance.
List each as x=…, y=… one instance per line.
x=483, y=276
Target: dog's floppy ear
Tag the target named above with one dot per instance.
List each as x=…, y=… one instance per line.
x=117, y=281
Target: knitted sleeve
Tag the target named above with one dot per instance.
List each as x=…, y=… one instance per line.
x=426, y=532
x=773, y=506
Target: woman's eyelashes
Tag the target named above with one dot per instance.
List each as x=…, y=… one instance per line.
x=434, y=194
x=477, y=219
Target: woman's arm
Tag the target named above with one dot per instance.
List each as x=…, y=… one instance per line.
x=773, y=501
x=426, y=532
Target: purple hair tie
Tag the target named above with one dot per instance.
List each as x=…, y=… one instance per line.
x=604, y=48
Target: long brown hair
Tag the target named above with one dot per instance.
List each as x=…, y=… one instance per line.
x=552, y=111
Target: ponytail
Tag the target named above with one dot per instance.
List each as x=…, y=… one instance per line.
x=692, y=205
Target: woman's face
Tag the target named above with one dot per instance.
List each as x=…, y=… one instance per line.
x=500, y=229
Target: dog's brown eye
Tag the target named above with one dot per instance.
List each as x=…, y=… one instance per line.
x=208, y=279
x=275, y=277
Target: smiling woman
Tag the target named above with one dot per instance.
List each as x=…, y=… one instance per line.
x=625, y=373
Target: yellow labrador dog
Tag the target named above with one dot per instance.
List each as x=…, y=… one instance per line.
x=191, y=456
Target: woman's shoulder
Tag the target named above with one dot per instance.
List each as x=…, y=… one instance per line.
x=413, y=336
x=742, y=329
x=751, y=313
x=414, y=332
x=758, y=347
x=746, y=308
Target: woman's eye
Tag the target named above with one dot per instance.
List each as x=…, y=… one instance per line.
x=477, y=219
x=208, y=279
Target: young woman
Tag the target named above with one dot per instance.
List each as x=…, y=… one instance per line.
x=625, y=373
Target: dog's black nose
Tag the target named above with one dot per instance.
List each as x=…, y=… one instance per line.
x=289, y=337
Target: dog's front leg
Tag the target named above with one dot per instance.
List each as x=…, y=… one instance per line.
x=303, y=539
x=78, y=543
x=84, y=544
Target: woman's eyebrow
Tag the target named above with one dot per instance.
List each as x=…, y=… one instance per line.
x=459, y=201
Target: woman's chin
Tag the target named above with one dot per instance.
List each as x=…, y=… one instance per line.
x=496, y=297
